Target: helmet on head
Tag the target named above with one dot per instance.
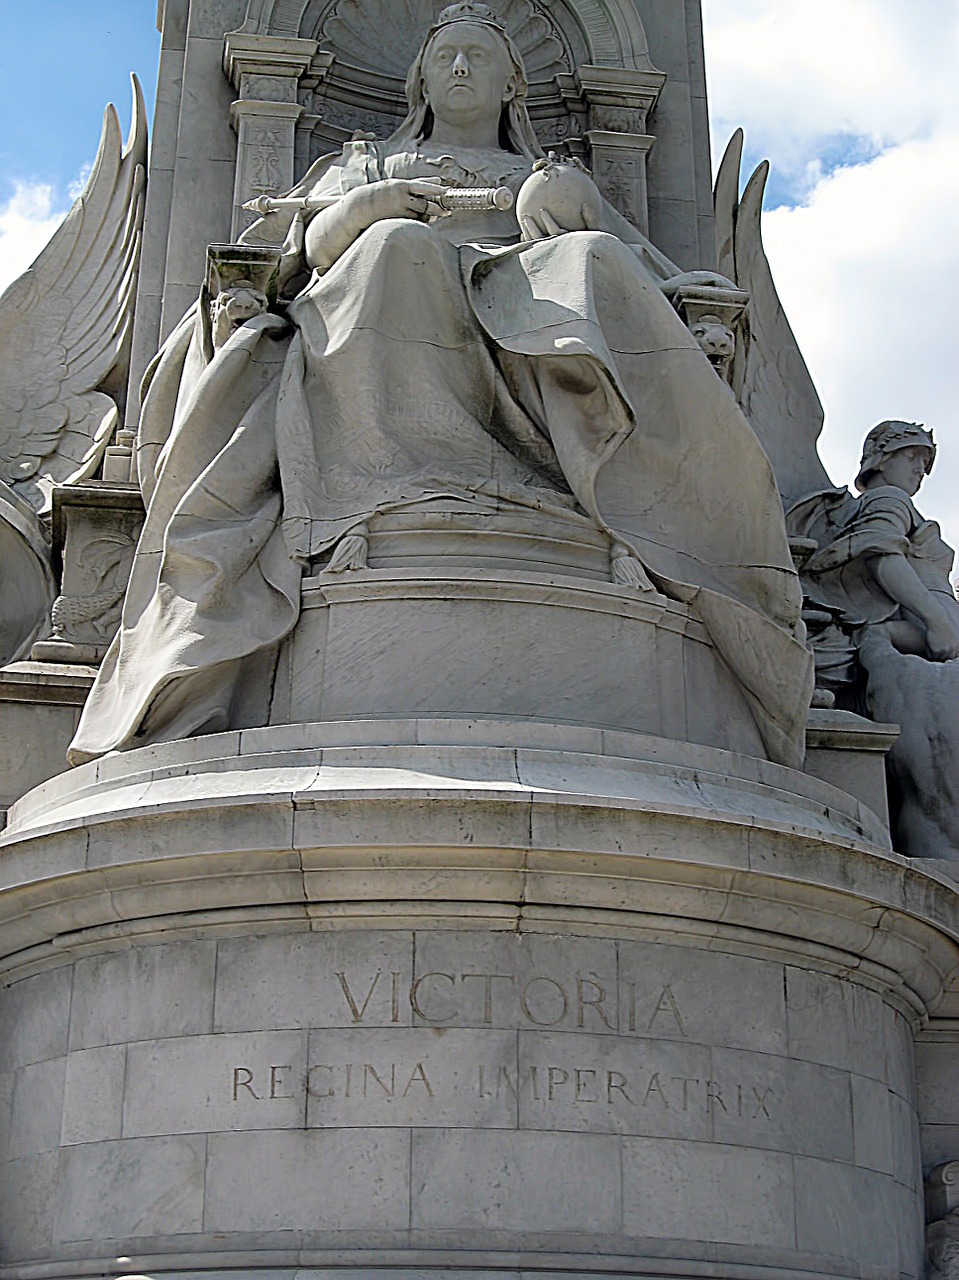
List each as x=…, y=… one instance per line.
x=887, y=438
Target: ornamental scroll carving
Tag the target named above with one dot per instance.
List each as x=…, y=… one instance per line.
x=263, y=167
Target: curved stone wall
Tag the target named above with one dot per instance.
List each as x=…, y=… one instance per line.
x=572, y=1004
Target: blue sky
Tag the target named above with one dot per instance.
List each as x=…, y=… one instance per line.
x=855, y=102
x=61, y=61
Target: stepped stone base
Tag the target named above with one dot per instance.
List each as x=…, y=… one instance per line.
x=446, y=998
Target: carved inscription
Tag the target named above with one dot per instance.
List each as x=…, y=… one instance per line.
x=481, y=1046
x=503, y=999
x=536, y=1083
x=592, y=1086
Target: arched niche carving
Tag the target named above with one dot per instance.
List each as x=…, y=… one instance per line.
x=606, y=33
x=360, y=85
x=592, y=81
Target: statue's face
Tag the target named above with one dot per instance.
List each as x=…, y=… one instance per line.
x=467, y=74
x=905, y=468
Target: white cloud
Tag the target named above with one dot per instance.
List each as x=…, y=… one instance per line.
x=27, y=221
x=802, y=72
x=78, y=186
x=868, y=272
x=868, y=263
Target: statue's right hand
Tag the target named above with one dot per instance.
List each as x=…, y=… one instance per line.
x=334, y=229
x=942, y=639
x=389, y=198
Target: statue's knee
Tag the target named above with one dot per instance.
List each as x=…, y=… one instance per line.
x=399, y=231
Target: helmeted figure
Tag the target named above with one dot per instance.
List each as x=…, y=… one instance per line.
x=882, y=572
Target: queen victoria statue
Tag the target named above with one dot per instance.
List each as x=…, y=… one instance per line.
x=520, y=361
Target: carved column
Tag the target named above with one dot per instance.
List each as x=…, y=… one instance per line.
x=266, y=73
x=619, y=104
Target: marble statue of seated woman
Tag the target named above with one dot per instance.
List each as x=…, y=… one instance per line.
x=420, y=356
x=884, y=571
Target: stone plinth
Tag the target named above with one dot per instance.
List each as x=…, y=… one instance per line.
x=460, y=998
x=95, y=532
x=40, y=704
x=507, y=613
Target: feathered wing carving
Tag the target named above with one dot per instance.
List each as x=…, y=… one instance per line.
x=771, y=379
x=66, y=325
x=726, y=205
x=27, y=588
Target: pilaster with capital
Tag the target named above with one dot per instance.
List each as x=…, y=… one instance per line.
x=619, y=103
x=266, y=72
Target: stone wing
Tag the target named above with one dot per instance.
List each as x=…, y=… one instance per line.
x=66, y=325
x=771, y=378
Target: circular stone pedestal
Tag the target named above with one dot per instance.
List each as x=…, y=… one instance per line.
x=509, y=612
x=449, y=998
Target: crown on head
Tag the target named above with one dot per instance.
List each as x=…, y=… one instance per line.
x=469, y=11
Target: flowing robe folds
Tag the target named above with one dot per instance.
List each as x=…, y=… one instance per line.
x=553, y=372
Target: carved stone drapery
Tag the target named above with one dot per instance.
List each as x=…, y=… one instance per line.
x=266, y=72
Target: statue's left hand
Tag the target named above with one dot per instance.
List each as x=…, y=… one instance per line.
x=544, y=224
x=556, y=198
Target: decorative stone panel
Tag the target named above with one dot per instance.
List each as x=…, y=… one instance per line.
x=266, y=73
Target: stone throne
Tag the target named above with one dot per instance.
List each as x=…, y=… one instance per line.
x=567, y=979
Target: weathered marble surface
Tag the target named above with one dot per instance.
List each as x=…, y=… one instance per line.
x=293, y=982
x=40, y=705
x=95, y=530
x=28, y=586
x=462, y=998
